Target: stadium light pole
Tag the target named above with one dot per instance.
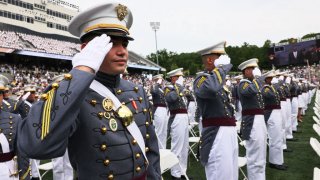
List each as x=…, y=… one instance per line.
x=155, y=26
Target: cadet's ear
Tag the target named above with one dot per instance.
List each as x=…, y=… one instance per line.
x=83, y=45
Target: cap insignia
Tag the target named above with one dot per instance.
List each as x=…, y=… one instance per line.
x=121, y=11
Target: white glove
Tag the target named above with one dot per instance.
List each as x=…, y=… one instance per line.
x=159, y=81
x=281, y=78
x=256, y=72
x=274, y=80
x=93, y=54
x=228, y=83
x=222, y=60
x=24, y=97
x=180, y=80
x=288, y=80
x=169, y=86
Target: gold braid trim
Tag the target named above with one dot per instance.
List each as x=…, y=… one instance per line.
x=46, y=116
x=24, y=176
x=216, y=71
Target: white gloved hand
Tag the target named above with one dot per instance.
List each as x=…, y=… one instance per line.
x=169, y=86
x=159, y=81
x=274, y=80
x=24, y=97
x=180, y=80
x=228, y=83
x=281, y=78
x=222, y=60
x=93, y=54
x=256, y=72
x=288, y=80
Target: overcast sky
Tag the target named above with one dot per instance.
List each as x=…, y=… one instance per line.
x=190, y=25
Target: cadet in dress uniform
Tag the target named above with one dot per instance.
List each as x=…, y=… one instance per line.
x=160, y=110
x=218, y=145
x=274, y=123
x=178, y=122
x=7, y=102
x=191, y=103
x=286, y=86
x=253, y=127
x=294, y=91
x=103, y=120
x=13, y=165
x=236, y=99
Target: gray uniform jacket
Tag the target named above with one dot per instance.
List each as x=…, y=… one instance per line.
x=214, y=105
x=7, y=105
x=71, y=115
x=252, y=104
x=8, y=126
x=157, y=97
x=271, y=100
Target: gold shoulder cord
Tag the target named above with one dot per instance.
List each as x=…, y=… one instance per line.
x=216, y=71
x=46, y=116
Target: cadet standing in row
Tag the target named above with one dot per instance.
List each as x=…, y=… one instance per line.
x=219, y=145
x=253, y=127
x=103, y=120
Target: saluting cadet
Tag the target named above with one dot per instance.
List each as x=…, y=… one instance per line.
x=253, y=127
x=103, y=120
x=236, y=99
x=218, y=145
x=160, y=110
x=13, y=165
x=178, y=121
x=7, y=102
x=286, y=86
x=294, y=91
x=274, y=123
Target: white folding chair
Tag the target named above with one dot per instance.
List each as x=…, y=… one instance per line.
x=242, y=161
x=316, y=173
x=46, y=167
x=167, y=160
x=316, y=120
x=316, y=128
x=193, y=141
x=315, y=145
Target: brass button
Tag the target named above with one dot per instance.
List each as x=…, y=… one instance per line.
x=106, y=162
x=134, y=142
x=10, y=117
x=100, y=115
x=67, y=76
x=10, y=122
x=10, y=139
x=93, y=102
x=140, y=99
x=181, y=94
x=147, y=149
x=55, y=85
x=103, y=147
x=103, y=130
x=138, y=155
x=10, y=134
x=147, y=136
x=11, y=127
x=44, y=97
x=110, y=177
x=145, y=110
x=138, y=169
x=147, y=123
x=119, y=91
x=136, y=89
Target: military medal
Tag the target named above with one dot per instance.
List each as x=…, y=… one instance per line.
x=134, y=105
x=125, y=115
x=107, y=104
x=113, y=124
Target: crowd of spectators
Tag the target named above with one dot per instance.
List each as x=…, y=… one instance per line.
x=28, y=42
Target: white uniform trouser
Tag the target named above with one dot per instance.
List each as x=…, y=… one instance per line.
x=289, y=121
x=283, y=105
x=274, y=126
x=305, y=99
x=62, y=169
x=294, y=113
x=238, y=114
x=34, y=167
x=223, y=158
x=310, y=96
x=191, y=111
x=256, y=149
x=6, y=168
x=161, y=125
x=180, y=143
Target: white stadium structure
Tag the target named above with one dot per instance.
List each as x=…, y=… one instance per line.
x=36, y=31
